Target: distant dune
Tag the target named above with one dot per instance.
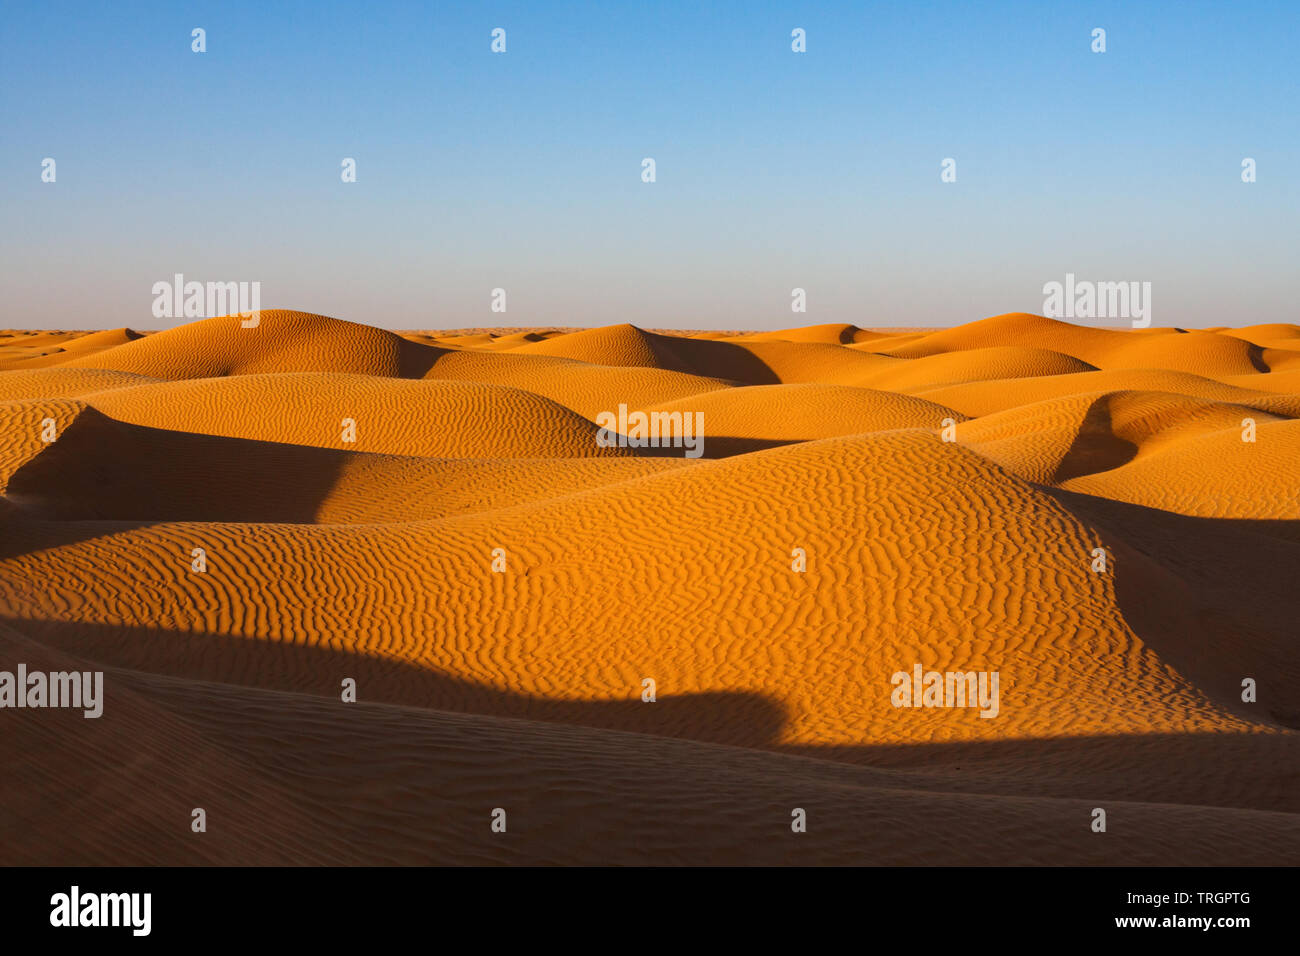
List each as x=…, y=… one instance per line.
x=447, y=519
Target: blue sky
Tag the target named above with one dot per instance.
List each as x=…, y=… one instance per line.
x=775, y=170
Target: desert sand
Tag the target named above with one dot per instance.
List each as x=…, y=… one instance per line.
x=499, y=584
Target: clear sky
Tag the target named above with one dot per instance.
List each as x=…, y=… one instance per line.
x=775, y=169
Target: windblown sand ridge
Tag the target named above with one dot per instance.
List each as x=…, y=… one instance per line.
x=440, y=520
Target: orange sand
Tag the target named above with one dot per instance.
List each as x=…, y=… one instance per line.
x=372, y=559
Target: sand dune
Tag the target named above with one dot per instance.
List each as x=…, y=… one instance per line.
x=440, y=418
x=978, y=398
x=783, y=413
x=975, y=365
x=832, y=334
x=297, y=341
x=1201, y=353
x=1060, y=439
x=500, y=583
